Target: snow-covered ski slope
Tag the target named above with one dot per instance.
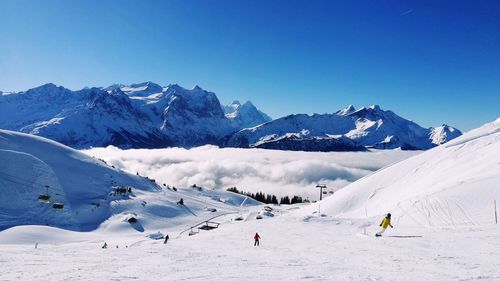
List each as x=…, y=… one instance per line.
x=436, y=242
x=31, y=166
x=454, y=184
x=29, y=163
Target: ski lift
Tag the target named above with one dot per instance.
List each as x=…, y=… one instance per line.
x=193, y=232
x=58, y=206
x=45, y=197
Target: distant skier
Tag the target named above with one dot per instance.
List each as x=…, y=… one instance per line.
x=384, y=224
x=105, y=246
x=181, y=202
x=256, y=238
x=166, y=239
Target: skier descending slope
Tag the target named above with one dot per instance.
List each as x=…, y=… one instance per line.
x=256, y=237
x=384, y=224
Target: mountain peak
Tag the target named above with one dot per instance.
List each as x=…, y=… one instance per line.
x=244, y=115
x=346, y=110
x=248, y=104
x=374, y=107
x=48, y=86
x=139, y=89
x=443, y=133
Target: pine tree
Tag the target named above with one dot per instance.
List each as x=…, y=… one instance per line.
x=296, y=199
x=285, y=200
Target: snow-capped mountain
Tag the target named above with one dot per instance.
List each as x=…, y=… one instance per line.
x=368, y=127
x=89, y=117
x=244, y=115
x=147, y=115
x=138, y=115
x=443, y=133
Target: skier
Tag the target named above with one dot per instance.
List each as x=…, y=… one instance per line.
x=105, y=246
x=256, y=237
x=166, y=239
x=384, y=224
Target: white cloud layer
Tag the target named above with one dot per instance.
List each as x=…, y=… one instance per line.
x=270, y=171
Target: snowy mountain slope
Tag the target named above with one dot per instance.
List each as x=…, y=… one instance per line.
x=86, y=187
x=300, y=124
x=142, y=89
x=193, y=117
x=384, y=129
x=29, y=164
x=452, y=184
x=463, y=177
x=147, y=115
x=369, y=127
x=244, y=115
x=137, y=115
x=443, y=134
x=297, y=142
x=89, y=117
x=346, y=110
x=309, y=248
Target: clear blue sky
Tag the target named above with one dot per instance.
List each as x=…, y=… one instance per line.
x=430, y=61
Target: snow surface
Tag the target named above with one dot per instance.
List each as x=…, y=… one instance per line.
x=291, y=249
x=85, y=186
x=453, y=184
x=441, y=201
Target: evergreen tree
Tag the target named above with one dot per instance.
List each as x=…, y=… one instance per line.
x=296, y=199
x=285, y=200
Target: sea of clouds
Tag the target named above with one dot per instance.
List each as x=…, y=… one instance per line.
x=270, y=171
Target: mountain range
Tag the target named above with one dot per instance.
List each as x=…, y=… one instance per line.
x=147, y=115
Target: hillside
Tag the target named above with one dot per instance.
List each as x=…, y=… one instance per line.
x=453, y=184
x=31, y=166
x=440, y=200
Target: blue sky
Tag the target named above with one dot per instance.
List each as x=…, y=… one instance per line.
x=430, y=61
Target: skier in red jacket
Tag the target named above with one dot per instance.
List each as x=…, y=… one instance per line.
x=256, y=237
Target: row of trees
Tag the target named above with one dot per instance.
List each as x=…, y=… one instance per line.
x=268, y=198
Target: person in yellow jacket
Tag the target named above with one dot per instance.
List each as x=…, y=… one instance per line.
x=384, y=224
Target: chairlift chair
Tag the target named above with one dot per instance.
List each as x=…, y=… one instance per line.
x=44, y=197
x=58, y=206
